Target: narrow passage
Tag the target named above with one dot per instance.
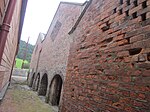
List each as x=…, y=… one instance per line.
x=20, y=98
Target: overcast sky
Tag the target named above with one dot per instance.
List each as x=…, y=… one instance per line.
x=39, y=15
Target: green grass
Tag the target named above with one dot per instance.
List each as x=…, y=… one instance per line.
x=19, y=62
x=19, y=98
x=27, y=101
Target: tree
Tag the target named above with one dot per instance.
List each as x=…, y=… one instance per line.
x=22, y=47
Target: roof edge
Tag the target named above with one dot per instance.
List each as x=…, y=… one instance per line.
x=71, y=3
x=80, y=17
x=22, y=17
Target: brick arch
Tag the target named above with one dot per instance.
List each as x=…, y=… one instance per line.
x=37, y=81
x=58, y=72
x=43, y=85
x=32, y=79
x=55, y=89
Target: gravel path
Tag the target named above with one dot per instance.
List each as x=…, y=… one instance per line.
x=19, y=98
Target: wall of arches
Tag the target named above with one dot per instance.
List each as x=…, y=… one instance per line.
x=47, y=85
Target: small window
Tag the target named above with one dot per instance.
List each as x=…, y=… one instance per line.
x=144, y=4
x=134, y=15
x=121, y=2
x=55, y=30
x=115, y=10
x=135, y=51
x=127, y=13
x=106, y=27
x=143, y=17
x=120, y=12
x=135, y=3
x=128, y=2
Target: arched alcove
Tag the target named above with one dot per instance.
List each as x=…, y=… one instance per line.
x=55, y=90
x=32, y=80
x=37, y=82
x=43, y=85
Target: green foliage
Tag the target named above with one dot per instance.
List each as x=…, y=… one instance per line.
x=19, y=62
x=22, y=48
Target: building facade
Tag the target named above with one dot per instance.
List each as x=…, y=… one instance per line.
x=50, y=56
x=109, y=62
x=106, y=66
x=11, y=20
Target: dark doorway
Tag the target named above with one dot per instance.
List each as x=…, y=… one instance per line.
x=37, y=82
x=32, y=80
x=55, y=90
x=43, y=85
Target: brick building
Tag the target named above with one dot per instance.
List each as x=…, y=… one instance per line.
x=107, y=62
x=11, y=20
x=49, y=58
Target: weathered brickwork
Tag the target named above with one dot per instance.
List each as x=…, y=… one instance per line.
x=37, y=49
x=109, y=62
x=11, y=44
x=50, y=55
x=3, y=7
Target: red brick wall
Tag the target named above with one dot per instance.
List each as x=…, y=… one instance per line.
x=109, y=62
x=10, y=47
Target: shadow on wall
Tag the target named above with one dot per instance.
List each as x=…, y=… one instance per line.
x=43, y=85
x=32, y=79
x=55, y=90
x=37, y=82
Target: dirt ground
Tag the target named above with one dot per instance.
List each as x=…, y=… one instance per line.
x=19, y=98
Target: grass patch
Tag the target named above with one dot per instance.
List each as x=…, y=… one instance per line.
x=27, y=101
x=19, y=62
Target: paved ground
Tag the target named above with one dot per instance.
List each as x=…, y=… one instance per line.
x=19, y=98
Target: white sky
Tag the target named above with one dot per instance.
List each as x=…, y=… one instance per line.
x=39, y=14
